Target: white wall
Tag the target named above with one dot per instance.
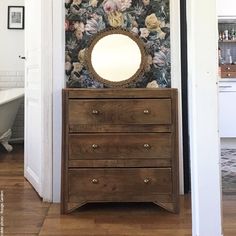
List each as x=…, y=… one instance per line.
x=12, y=41
x=176, y=77
x=11, y=66
x=226, y=8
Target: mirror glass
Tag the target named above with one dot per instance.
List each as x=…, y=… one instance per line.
x=116, y=57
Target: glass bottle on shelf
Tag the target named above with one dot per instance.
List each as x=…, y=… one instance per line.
x=226, y=35
x=221, y=36
x=233, y=34
x=221, y=60
x=228, y=57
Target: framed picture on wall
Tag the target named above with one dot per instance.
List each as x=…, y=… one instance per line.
x=16, y=17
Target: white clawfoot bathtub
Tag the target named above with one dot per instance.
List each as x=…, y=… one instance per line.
x=10, y=101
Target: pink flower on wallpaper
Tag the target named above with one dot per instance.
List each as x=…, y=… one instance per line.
x=144, y=32
x=123, y=4
x=79, y=26
x=67, y=25
x=92, y=26
x=159, y=59
x=110, y=6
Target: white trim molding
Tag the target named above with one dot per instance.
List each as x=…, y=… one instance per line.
x=47, y=89
x=58, y=85
x=176, y=75
x=203, y=117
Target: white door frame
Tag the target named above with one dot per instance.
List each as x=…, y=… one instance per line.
x=203, y=117
x=176, y=77
x=47, y=103
x=58, y=85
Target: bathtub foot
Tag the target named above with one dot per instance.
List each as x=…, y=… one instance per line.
x=7, y=146
x=4, y=140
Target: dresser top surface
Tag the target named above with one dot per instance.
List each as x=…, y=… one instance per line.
x=120, y=93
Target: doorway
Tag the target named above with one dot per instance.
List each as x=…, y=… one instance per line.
x=16, y=193
x=227, y=94
x=23, y=51
x=12, y=81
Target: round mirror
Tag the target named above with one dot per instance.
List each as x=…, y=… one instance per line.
x=116, y=57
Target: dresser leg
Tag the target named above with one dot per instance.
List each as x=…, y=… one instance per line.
x=169, y=206
x=71, y=206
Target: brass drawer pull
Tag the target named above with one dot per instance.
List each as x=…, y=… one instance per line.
x=146, y=111
x=229, y=75
x=146, y=145
x=95, y=181
x=146, y=181
x=228, y=68
x=94, y=146
x=95, y=112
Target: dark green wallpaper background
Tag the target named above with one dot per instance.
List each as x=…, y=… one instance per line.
x=148, y=19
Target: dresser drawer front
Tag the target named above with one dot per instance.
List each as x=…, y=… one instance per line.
x=228, y=74
x=118, y=184
x=119, y=111
x=228, y=68
x=122, y=145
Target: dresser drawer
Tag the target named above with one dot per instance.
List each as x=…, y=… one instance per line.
x=228, y=68
x=122, y=145
x=228, y=74
x=118, y=184
x=228, y=71
x=118, y=111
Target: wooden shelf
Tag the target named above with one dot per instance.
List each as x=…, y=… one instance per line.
x=227, y=41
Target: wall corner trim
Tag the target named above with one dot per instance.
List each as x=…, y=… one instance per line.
x=203, y=106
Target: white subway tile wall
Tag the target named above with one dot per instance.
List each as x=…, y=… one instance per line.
x=14, y=79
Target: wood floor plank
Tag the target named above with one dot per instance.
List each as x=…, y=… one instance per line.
x=24, y=212
x=118, y=219
x=26, y=215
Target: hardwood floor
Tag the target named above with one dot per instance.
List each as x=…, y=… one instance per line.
x=23, y=212
x=25, y=215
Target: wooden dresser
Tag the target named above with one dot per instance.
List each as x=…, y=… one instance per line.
x=120, y=145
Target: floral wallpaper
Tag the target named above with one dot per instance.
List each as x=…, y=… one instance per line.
x=148, y=19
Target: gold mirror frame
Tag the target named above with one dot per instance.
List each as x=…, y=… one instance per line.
x=109, y=83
